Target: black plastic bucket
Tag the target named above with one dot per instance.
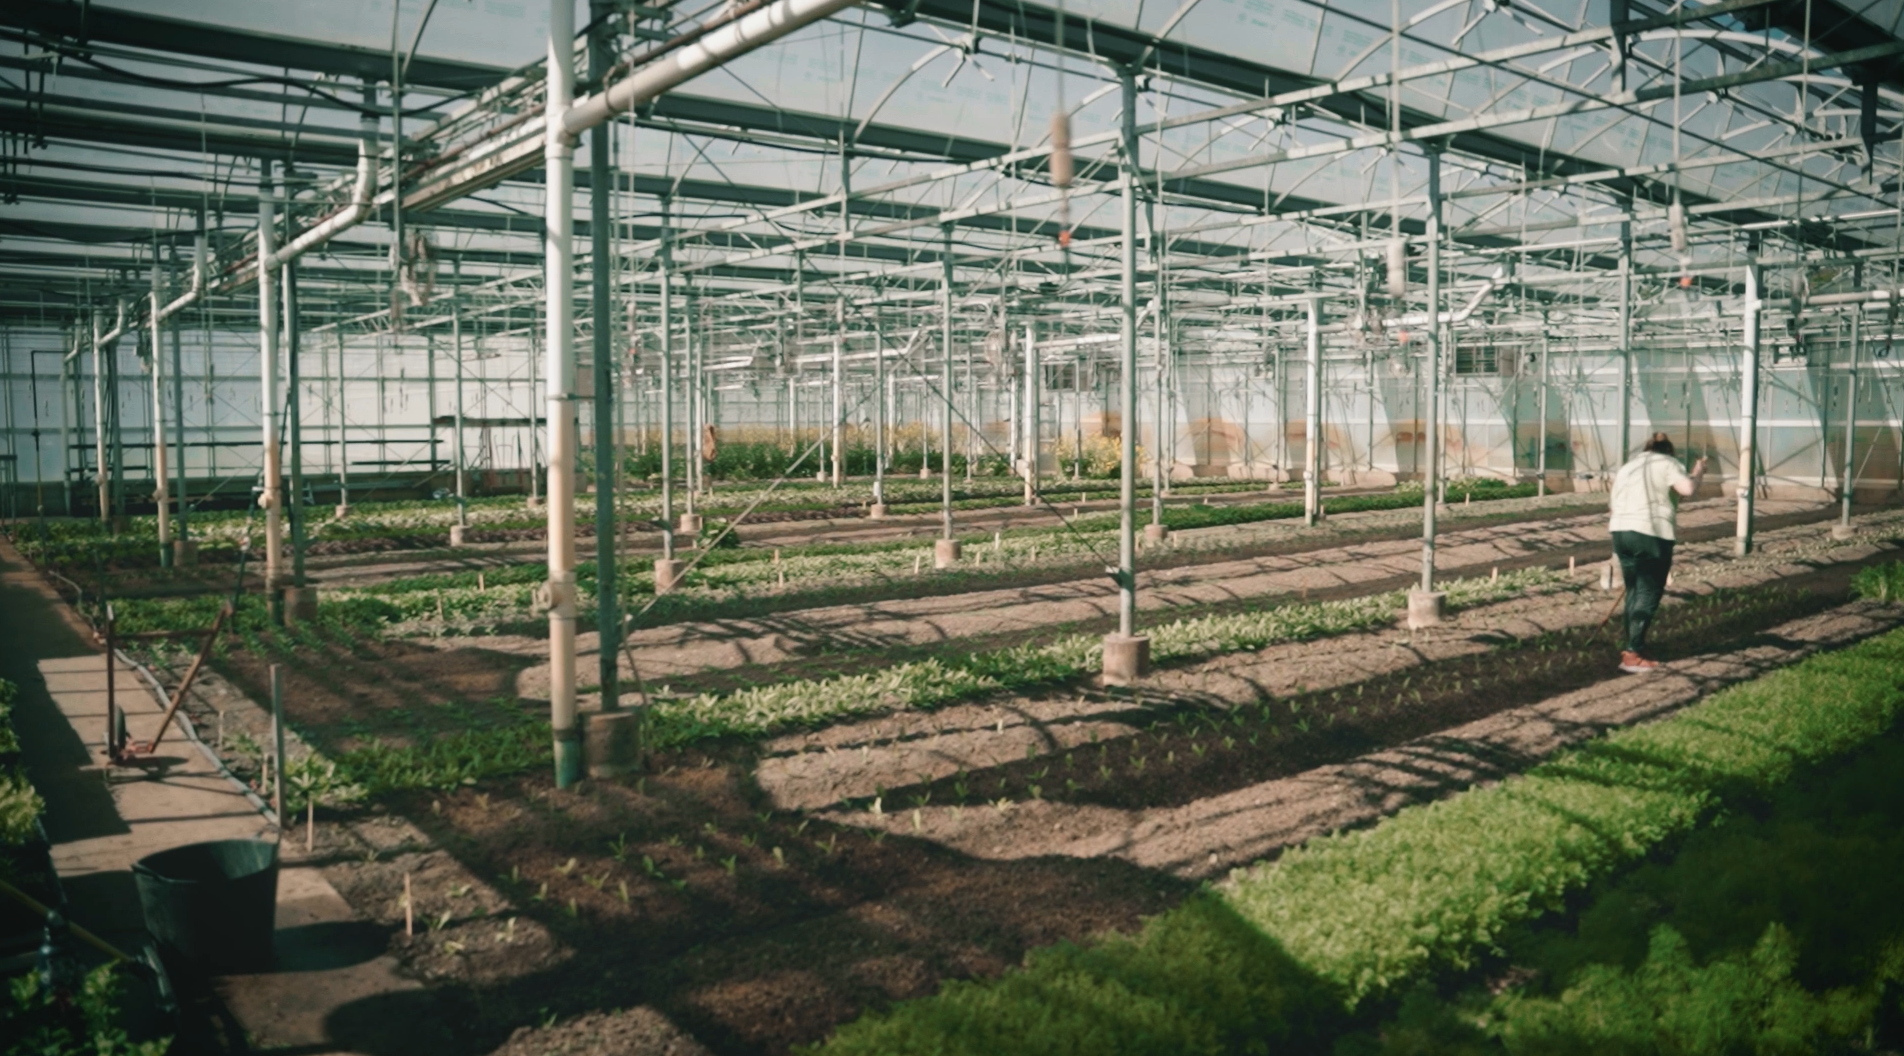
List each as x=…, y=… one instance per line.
x=212, y=906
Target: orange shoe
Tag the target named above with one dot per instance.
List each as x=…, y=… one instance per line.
x=1634, y=664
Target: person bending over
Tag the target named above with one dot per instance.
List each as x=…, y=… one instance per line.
x=1645, y=506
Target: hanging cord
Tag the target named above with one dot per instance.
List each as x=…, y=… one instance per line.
x=1061, y=161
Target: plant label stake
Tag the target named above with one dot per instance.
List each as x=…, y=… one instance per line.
x=409, y=910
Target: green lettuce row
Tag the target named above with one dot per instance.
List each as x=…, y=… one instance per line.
x=1283, y=954
x=936, y=682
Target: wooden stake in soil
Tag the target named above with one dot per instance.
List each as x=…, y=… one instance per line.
x=1569, y=566
x=409, y=910
x=480, y=588
x=277, y=738
x=310, y=824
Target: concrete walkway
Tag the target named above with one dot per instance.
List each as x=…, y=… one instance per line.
x=103, y=818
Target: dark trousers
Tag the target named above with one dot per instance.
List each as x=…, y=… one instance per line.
x=1644, y=561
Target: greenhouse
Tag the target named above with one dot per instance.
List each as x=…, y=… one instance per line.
x=905, y=526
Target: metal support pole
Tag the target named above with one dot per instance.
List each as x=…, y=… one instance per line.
x=1540, y=456
x=268, y=320
x=535, y=454
x=600, y=189
x=1748, y=412
x=67, y=393
x=343, y=438
x=1312, y=420
x=879, y=413
x=1626, y=341
x=162, y=484
x=1850, y=476
x=667, y=385
x=558, y=285
x=1127, y=403
x=178, y=421
x=1163, y=427
x=1430, y=483
x=690, y=406
x=294, y=422
x=116, y=423
x=945, y=340
x=99, y=426
x=1032, y=399
x=456, y=351
x=839, y=400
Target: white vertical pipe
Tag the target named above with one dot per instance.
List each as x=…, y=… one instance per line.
x=1312, y=420
x=1127, y=402
x=1748, y=411
x=268, y=323
x=667, y=385
x=945, y=435
x=99, y=425
x=1430, y=483
x=839, y=402
x=1851, y=420
x=162, y=486
x=559, y=240
x=1031, y=413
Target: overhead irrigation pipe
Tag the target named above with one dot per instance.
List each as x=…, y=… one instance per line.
x=270, y=261
x=162, y=491
x=690, y=60
x=1460, y=315
x=100, y=343
x=354, y=212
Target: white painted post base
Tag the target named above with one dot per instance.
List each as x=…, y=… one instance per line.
x=690, y=524
x=1843, y=531
x=925, y=472
x=877, y=512
x=946, y=552
x=300, y=604
x=1126, y=660
x=611, y=743
x=456, y=535
x=1155, y=533
x=1426, y=608
x=667, y=574
x=341, y=511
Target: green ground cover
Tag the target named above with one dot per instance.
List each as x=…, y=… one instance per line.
x=1284, y=955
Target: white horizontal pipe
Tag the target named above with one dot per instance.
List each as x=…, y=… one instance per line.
x=350, y=215
x=189, y=297
x=691, y=60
